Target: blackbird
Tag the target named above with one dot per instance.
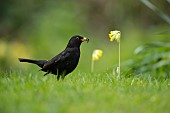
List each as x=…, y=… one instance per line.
x=63, y=63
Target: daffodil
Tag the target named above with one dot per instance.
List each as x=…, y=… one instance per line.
x=115, y=35
x=95, y=56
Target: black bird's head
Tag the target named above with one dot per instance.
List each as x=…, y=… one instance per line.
x=76, y=41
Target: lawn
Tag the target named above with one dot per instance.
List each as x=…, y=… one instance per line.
x=41, y=29
x=30, y=92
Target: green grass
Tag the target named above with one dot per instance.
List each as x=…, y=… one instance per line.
x=30, y=92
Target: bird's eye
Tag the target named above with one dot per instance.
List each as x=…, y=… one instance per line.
x=77, y=37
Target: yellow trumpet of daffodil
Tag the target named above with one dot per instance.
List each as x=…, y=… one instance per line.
x=115, y=35
x=95, y=56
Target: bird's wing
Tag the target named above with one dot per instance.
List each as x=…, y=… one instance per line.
x=57, y=59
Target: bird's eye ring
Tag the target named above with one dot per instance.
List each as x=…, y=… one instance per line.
x=77, y=37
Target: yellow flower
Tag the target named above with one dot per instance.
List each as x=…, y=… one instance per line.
x=3, y=48
x=115, y=35
x=18, y=49
x=96, y=54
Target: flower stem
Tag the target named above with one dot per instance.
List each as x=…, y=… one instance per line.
x=119, y=62
x=92, y=66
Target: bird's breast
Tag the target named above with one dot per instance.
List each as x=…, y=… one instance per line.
x=74, y=58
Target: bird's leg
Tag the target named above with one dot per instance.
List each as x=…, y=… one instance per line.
x=58, y=77
x=62, y=77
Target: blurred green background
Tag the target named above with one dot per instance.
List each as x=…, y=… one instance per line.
x=40, y=29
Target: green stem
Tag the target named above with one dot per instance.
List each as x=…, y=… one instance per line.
x=92, y=66
x=119, y=62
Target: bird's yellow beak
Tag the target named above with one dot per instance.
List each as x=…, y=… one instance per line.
x=85, y=39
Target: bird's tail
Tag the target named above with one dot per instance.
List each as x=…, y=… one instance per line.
x=40, y=63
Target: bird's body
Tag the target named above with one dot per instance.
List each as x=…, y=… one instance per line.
x=63, y=63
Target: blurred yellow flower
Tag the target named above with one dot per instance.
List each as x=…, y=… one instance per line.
x=18, y=49
x=115, y=35
x=96, y=54
x=3, y=48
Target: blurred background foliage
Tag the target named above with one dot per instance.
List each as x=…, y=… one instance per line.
x=40, y=29
x=150, y=59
